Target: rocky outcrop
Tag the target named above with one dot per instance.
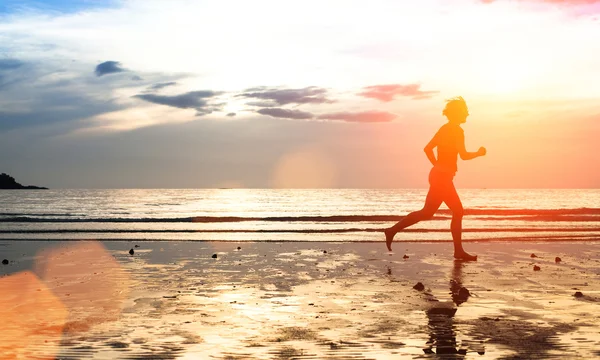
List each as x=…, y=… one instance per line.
x=8, y=182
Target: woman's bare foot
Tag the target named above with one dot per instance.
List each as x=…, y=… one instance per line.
x=464, y=256
x=389, y=237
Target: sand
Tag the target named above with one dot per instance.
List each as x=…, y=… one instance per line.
x=273, y=300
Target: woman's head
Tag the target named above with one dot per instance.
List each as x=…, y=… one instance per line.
x=456, y=110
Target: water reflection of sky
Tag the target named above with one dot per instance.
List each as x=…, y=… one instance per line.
x=296, y=301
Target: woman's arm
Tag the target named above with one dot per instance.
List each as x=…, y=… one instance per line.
x=466, y=155
x=429, y=149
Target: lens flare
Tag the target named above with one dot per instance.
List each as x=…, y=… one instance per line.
x=32, y=317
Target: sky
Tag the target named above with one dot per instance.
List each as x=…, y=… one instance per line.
x=296, y=94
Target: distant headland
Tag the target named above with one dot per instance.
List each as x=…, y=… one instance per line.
x=8, y=182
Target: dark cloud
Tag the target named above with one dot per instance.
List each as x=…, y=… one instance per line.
x=364, y=117
x=286, y=113
x=54, y=97
x=56, y=110
x=231, y=114
x=108, y=67
x=191, y=100
x=389, y=92
x=136, y=78
x=7, y=76
x=159, y=86
x=9, y=64
x=262, y=103
x=207, y=110
x=38, y=95
x=308, y=95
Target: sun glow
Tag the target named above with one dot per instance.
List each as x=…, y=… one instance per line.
x=506, y=80
x=504, y=72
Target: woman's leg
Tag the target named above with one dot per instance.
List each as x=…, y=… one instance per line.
x=453, y=202
x=432, y=203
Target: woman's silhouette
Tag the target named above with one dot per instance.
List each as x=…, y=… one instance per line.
x=450, y=142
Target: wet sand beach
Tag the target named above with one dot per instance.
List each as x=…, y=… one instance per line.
x=298, y=300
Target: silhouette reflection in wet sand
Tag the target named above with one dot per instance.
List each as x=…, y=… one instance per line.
x=442, y=337
x=450, y=143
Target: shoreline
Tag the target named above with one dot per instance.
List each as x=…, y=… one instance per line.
x=315, y=299
x=531, y=239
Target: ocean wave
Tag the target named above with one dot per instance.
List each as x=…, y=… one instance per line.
x=524, y=238
x=571, y=215
x=300, y=231
x=39, y=214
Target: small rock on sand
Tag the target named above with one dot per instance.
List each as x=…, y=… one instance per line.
x=533, y=255
x=419, y=286
x=405, y=257
x=578, y=294
x=131, y=252
x=536, y=268
x=5, y=262
x=239, y=248
x=324, y=251
x=214, y=256
x=557, y=259
x=137, y=246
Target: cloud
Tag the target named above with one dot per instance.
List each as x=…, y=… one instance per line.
x=231, y=114
x=573, y=8
x=264, y=104
x=108, y=67
x=286, y=113
x=389, y=92
x=364, y=117
x=274, y=96
x=55, y=96
x=190, y=100
x=136, y=78
x=7, y=72
x=9, y=64
x=52, y=95
x=560, y=2
x=55, y=110
x=159, y=86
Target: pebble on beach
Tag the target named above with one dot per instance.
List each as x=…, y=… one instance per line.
x=533, y=255
x=214, y=256
x=536, y=268
x=239, y=248
x=137, y=246
x=419, y=286
x=405, y=257
x=131, y=252
x=557, y=259
x=578, y=294
x=5, y=262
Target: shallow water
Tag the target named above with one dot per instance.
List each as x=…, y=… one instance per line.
x=326, y=300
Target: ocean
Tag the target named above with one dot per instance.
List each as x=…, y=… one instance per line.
x=348, y=215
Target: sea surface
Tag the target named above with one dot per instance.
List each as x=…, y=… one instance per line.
x=350, y=215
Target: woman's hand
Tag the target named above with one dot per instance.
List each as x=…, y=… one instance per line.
x=481, y=151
